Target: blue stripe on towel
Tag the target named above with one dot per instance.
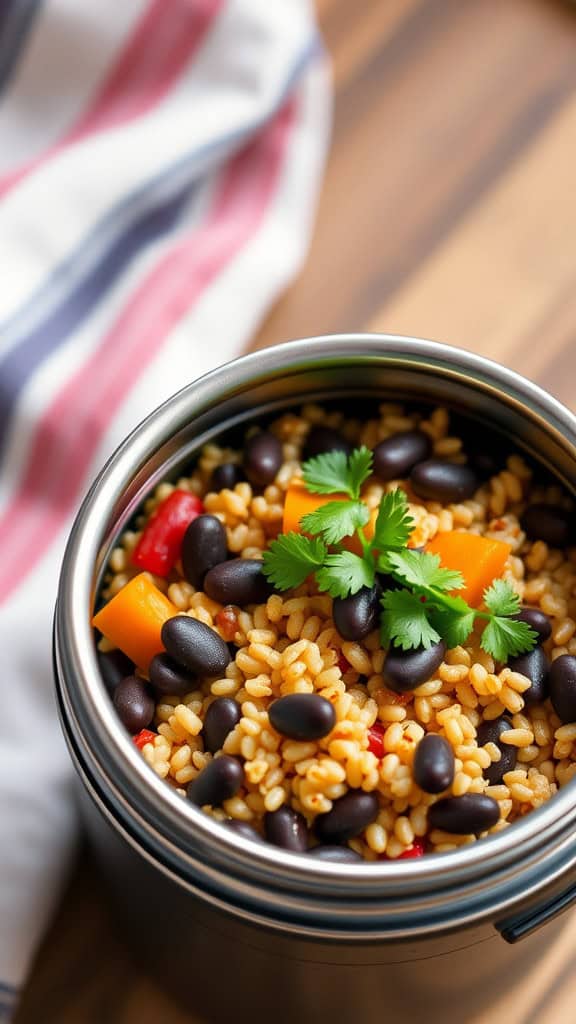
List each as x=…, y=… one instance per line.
x=81, y=281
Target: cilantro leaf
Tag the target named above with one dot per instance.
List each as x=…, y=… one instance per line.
x=291, y=558
x=336, y=520
x=420, y=569
x=344, y=574
x=327, y=474
x=394, y=523
x=405, y=621
x=505, y=638
x=335, y=473
x=501, y=599
x=453, y=624
x=359, y=469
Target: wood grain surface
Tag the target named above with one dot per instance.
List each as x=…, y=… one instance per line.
x=449, y=212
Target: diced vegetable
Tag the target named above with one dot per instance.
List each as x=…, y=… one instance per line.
x=143, y=737
x=299, y=502
x=376, y=739
x=133, y=618
x=227, y=622
x=343, y=663
x=159, y=546
x=480, y=560
x=416, y=850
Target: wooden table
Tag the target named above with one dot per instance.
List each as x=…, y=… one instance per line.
x=448, y=211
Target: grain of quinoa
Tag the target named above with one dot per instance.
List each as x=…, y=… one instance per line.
x=290, y=645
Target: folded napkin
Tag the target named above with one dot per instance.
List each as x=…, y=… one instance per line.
x=159, y=165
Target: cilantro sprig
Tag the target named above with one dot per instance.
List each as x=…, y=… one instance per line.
x=437, y=614
x=291, y=558
x=336, y=520
x=335, y=472
x=424, y=607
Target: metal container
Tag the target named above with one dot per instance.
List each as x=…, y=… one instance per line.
x=238, y=928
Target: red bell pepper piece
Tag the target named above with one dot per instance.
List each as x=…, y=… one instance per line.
x=158, y=549
x=227, y=620
x=375, y=739
x=143, y=737
x=416, y=850
x=343, y=663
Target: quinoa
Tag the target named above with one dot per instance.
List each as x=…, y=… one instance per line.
x=289, y=644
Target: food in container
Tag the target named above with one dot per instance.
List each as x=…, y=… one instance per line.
x=336, y=705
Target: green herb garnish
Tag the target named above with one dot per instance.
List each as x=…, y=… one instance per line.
x=425, y=610
x=336, y=520
x=335, y=472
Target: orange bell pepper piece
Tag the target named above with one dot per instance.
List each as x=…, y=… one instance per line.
x=133, y=618
x=480, y=560
x=299, y=502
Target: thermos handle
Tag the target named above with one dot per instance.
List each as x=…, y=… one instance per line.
x=519, y=927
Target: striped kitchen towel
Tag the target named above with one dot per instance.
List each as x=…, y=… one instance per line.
x=159, y=166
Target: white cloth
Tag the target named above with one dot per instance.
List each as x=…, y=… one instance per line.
x=159, y=166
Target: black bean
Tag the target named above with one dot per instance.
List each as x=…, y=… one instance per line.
x=134, y=703
x=242, y=828
x=438, y=480
x=337, y=854
x=325, y=439
x=357, y=615
x=548, y=523
x=262, y=458
x=225, y=476
x=203, y=546
x=239, y=581
x=537, y=620
x=302, y=716
x=114, y=666
x=349, y=817
x=490, y=732
x=535, y=665
x=405, y=670
x=562, y=682
x=195, y=645
x=397, y=455
x=286, y=828
x=222, y=716
x=464, y=815
x=167, y=676
x=387, y=582
x=433, y=764
x=484, y=464
x=218, y=781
